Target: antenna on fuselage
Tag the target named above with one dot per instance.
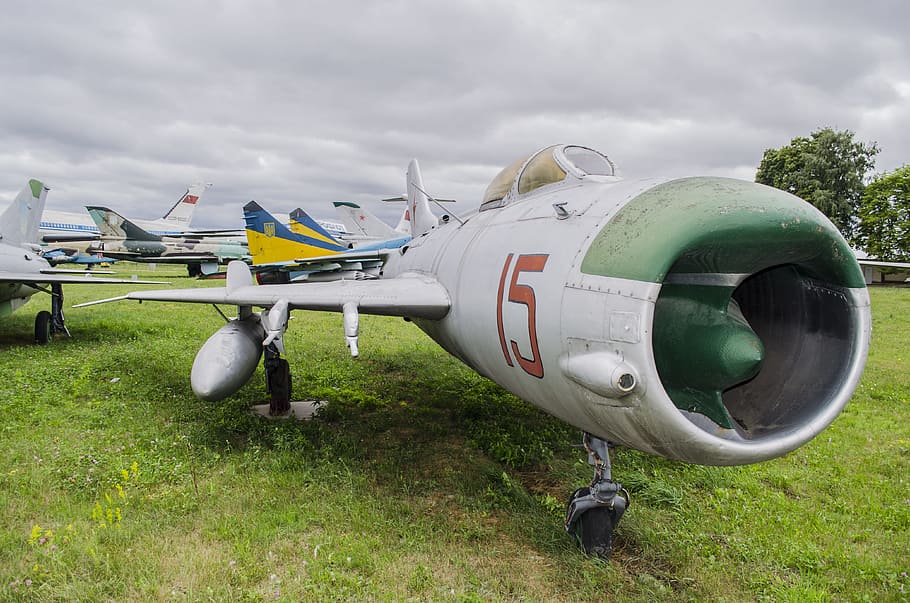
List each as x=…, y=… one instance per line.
x=437, y=203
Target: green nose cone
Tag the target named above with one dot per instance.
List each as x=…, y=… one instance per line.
x=703, y=346
x=733, y=354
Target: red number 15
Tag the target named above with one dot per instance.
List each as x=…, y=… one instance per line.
x=521, y=294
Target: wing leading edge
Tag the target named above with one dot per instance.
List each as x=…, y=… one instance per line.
x=67, y=278
x=410, y=296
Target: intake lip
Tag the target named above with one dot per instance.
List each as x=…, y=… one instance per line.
x=760, y=329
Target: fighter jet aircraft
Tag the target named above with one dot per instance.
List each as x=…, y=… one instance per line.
x=363, y=225
x=124, y=240
x=707, y=320
x=301, y=222
x=23, y=272
x=271, y=242
x=305, y=251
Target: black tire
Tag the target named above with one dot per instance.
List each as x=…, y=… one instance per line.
x=194, y=269
x=595, y=531
x=43, y=324
x=280, y=388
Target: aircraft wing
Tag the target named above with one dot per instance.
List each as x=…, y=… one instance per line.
x=409, y=296
x=65, y=277
x=347, y=265
x=163, y=259
x=175, y=259
x=81, y=271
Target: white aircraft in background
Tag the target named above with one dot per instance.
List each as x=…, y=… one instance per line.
x=23, y=272
x=63, y=226
x=361, y=224
x=707, y=320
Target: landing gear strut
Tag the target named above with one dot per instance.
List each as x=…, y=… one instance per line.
x=594, y=511
x=47, y=324
x=277, y=381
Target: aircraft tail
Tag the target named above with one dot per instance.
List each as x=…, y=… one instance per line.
x=361, y=223
x=301, y=223
x=19, y=222
x=181, y=213
x=404, y=223
x=270, y=241
x=421, y=216
x=113, y=225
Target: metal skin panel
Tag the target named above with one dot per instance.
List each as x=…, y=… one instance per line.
x=475, y=266
x=497, y=337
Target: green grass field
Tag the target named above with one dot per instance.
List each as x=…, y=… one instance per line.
x=418, y=480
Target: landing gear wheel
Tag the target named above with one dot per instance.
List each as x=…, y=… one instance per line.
x=277, y=381
x=594, y=511
x=194, y=270
x=594, y=527
x=280, y=388
x=43, y=324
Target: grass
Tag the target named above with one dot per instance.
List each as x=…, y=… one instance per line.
x=417, y=481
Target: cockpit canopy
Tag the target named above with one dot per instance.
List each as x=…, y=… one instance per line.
x=548, y=166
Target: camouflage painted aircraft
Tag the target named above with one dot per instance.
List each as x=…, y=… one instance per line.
x=707, y=320
x=23, y=272
x=123, y=240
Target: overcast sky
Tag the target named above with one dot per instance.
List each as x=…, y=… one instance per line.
x=303, y=103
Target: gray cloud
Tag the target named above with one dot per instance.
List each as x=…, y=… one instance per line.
x=300, y=104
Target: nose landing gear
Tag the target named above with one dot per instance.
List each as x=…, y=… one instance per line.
x=594, y=511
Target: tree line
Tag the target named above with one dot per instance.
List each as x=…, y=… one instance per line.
x=829, y=169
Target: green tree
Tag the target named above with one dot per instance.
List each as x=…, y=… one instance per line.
x=884, y=216
x=828, y=170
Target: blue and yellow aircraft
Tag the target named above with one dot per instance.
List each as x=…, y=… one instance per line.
x=271, y=241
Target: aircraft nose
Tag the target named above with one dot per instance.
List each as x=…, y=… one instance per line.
x=704, y=346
